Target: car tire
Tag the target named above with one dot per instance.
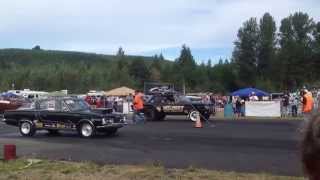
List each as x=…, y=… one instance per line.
x=154, y=115
x=110, y=132
x=149, y=114
x=27, y=128
x=86, y=130
x=161, y=116
x=192, y=115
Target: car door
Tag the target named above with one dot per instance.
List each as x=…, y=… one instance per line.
x=67, y=117
x=51, y=114
x=172, y=106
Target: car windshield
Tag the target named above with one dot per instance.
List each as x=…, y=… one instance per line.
x=77, y=105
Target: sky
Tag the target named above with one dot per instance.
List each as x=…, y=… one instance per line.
x=140, y=27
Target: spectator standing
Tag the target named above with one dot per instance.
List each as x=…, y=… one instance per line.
x=285, y=104
x=253, y=97
x=138, y=115
x=238, y=107
x=99, y=103
x=293, y=101
x=307, y=104
x=115, y=106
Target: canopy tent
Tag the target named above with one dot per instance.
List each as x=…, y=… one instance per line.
x=122, y=91
x=9, y=95
x=248, y=91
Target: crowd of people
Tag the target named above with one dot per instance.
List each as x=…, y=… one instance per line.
x=116, y=103
x=293, y=103
x=107, y=102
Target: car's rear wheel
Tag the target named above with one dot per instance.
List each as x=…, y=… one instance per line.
x=149, y=114
x=154, y=115
x=86, y=130
x=161, y=116
x=27, y=128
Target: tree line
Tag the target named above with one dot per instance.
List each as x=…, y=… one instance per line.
x=264, y=56
x=278, y=59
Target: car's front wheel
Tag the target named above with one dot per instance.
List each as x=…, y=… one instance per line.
x=86, y=130
x=27, y=128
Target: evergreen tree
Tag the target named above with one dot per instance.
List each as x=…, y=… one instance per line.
x=295, y=52
x=209, y=64
x=156, y=63
x=316, y=52
x=139, y=71
x=186, y=65
x=245, y=52
x=37, y=47
x=155, y=69
x=120, y=56
x=266, y=45
x=161, y=57
x=120, y=53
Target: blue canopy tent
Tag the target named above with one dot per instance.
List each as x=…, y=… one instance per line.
x=246, y=92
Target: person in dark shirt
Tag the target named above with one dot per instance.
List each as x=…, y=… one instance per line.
x=238, y=107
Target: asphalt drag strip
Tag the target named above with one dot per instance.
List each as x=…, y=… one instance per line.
x=243, y=146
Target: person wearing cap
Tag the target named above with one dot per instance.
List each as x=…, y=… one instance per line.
x=307, y=101
x=253, y=97
x=307, y=104
x=138, y=115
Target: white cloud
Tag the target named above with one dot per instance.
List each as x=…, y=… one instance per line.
x=139, y=26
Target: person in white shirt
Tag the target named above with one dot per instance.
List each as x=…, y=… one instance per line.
x=253, y=97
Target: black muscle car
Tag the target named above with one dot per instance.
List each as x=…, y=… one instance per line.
x=162, y=101
x=56, y=114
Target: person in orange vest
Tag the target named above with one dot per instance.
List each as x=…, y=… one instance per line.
x=138, y=105
x=307, y=101
x=307, y=104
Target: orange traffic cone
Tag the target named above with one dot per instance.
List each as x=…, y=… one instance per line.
x=198, y=123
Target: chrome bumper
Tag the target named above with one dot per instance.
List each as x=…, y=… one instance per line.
x=112, y=125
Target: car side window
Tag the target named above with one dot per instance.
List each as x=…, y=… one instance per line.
x=49, y=105
x=64, y=106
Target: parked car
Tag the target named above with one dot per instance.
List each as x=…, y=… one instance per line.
x=56, y=114
x=9, y=104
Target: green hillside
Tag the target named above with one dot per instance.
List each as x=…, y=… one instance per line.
x=76, y=71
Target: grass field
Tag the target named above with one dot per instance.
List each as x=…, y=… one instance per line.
x=35, y=169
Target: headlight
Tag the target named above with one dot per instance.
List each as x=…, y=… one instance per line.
x=111, y=120
x=104, y=121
